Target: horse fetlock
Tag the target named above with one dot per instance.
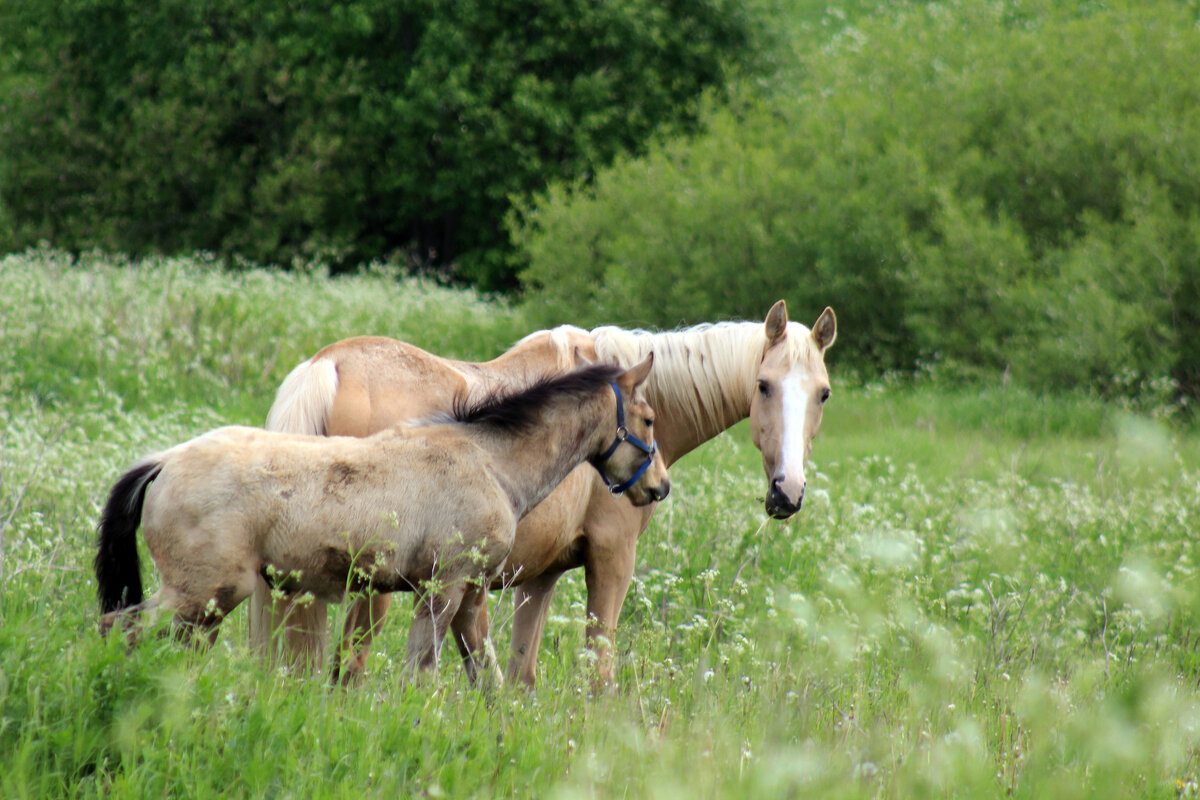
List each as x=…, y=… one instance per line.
x=127, y=620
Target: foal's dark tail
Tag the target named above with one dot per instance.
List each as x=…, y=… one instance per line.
x=118, y=573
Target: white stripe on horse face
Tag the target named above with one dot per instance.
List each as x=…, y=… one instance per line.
x=795, y=409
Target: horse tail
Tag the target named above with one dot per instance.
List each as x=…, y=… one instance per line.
x=305, y=398
x=118, y=573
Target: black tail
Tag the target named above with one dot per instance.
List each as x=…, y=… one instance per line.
x=118, y=573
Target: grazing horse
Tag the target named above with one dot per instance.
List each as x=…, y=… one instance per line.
x=431, y=508
x=706, y=379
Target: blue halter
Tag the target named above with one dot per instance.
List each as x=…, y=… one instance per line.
x=623, y=435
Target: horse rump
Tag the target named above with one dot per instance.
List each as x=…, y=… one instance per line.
x=118, y=573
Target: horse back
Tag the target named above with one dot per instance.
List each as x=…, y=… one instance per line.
x=382, y=382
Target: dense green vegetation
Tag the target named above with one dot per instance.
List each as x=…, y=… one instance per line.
x=349, y=131
x=989, y=593
x=984, y=185
x=977, y=188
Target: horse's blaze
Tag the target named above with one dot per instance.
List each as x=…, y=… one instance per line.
x=796, y=399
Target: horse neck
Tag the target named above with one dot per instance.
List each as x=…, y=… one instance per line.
x=533, y=357
x=530, y=464
x=702, y=382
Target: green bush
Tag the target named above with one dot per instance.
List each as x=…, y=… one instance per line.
x=988, y=186
x=349, y=131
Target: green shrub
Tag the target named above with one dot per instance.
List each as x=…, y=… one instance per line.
x=988, y=186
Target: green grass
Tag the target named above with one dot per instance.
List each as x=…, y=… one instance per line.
x=989, y=593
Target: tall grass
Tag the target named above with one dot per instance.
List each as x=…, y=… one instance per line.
x=988, y=592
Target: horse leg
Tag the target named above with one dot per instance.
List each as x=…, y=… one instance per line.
x=483, y=627
x=262, y=620
x=430, y=622
x=532, y=606
x=608, y=571
x=134, y=620
x=291, y=629
x=203, y=604
x=188, y=618
x=478, y=654
x=302, y=619
x=363, y=621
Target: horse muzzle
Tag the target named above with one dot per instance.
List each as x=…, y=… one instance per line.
x=778, y=504
x=644, y=496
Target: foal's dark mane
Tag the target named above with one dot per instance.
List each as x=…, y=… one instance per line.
x=516, y=412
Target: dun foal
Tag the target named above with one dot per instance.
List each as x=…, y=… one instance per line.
x=431, y=509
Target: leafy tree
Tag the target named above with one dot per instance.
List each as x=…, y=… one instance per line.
x=344, y=130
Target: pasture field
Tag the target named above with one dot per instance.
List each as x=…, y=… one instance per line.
x=988, y=593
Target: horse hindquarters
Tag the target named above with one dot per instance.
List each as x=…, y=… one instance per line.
x=197, y=533
x=132, y=503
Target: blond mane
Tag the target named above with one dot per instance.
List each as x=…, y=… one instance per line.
x=703, y=374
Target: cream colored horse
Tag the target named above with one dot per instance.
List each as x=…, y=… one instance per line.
x=431, y=509
x=707, y=378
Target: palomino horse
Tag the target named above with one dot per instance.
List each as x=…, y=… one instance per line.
x=431, y=509
x=706, y=379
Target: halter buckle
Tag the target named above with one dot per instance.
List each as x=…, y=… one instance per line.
x=623, y=436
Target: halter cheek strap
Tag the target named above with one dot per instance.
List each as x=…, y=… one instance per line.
x=623, y=435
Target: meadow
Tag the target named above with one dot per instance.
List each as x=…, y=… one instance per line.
x=988, y=593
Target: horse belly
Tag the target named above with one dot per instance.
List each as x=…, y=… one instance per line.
x=390, y=547
x=329, y=560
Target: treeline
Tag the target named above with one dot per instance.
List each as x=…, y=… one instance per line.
x=978, y=186
x=338, y=131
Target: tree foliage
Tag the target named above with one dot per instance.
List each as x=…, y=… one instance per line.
x=345, y=130
x=992, y=186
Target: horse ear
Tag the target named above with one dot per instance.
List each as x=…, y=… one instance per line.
x=776, y=324
x=580, y=359
x=636, y=375
x=824, y=331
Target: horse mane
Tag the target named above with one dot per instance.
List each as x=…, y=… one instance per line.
x=517, y=411
x=701, y=373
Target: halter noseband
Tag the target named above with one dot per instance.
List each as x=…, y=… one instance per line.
x=623, y=435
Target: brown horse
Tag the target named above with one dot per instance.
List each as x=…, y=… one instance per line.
x=431, y=509
x=707, y=378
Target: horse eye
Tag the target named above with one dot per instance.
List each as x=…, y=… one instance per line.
x=825, y=395
x=649, y=423
x=764, y=388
